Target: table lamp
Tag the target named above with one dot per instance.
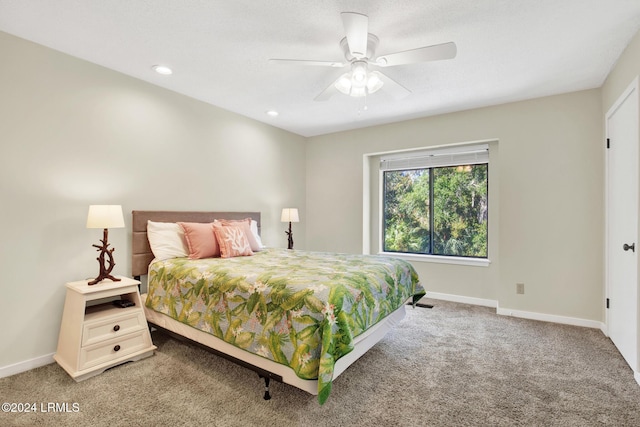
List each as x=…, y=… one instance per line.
x=289, y=215
x=105, y=217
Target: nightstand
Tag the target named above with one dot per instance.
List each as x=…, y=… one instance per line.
x=95, y=334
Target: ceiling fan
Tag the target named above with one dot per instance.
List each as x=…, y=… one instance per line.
x=359, y=48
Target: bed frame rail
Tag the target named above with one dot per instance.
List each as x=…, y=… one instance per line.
x=262, y=373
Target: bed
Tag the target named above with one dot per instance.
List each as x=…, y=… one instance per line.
x=293, y=316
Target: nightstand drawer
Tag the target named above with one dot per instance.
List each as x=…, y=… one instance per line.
x=113, y=349
x=94, y=332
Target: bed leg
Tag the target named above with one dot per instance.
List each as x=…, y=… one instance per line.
x=267, y=396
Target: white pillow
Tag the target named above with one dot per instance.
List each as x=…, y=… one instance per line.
x=167, y=240
x=254, y=230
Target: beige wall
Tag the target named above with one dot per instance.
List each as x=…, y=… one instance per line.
x=546, y=208
x=73, y=134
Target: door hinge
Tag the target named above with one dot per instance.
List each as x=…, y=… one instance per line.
x=608, y=143
x=607, y=302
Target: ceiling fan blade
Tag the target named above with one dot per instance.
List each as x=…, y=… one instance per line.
x=421, y=54
x=333, y=64
x=391, y=86
x=327, y=93
x=356, y=28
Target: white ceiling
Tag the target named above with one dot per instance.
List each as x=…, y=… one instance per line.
x=508, y=50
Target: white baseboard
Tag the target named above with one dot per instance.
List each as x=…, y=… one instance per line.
x=550, y=318
x=461, y=299
x=519, y=313
x=16, y=368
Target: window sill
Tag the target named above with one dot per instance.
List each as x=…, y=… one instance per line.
x=475, y=262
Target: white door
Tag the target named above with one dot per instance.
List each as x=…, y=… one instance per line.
x=622, y=225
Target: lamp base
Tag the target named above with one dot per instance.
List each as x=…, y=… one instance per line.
x=290, y=234
x=106, y=255
x=100, y=278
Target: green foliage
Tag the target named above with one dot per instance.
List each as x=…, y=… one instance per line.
x=406, y=211
x=460, y=211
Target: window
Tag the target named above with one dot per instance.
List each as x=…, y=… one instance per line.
x=436, y=203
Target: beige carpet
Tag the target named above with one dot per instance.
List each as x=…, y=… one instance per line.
x=453, y=365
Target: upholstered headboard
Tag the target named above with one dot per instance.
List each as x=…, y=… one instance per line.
x=141, y=254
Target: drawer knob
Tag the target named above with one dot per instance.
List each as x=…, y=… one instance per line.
x=116, y=328
x=116, y=348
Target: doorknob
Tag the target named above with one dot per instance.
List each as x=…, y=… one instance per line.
x=631, y=246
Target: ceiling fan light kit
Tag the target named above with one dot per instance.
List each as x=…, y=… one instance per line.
x=359, y=48
x=359, y=82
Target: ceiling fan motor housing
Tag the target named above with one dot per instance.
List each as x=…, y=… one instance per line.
x=372, y=44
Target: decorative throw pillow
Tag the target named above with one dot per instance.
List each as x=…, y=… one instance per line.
x=200, y=240
x=254, y=230
x=167, y=240
x=245, y=224
x=232, y=240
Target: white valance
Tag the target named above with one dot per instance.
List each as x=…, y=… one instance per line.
x=438, y=157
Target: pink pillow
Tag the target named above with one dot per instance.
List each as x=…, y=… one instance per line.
x=200, y=240
x=246, y=228
x=232, y=240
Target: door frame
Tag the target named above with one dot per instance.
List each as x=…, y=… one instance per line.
x=633, y=86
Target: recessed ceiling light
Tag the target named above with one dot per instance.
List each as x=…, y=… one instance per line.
x=162, y=69
x=272, y=113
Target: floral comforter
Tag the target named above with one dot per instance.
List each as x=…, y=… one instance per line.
x=298, y=308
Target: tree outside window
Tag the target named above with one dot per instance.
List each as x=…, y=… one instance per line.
x=437, y=211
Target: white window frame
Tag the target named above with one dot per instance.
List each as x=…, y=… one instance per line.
x=458, y=154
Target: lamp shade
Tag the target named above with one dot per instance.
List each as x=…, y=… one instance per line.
x=289, y=215
x=105, y=216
